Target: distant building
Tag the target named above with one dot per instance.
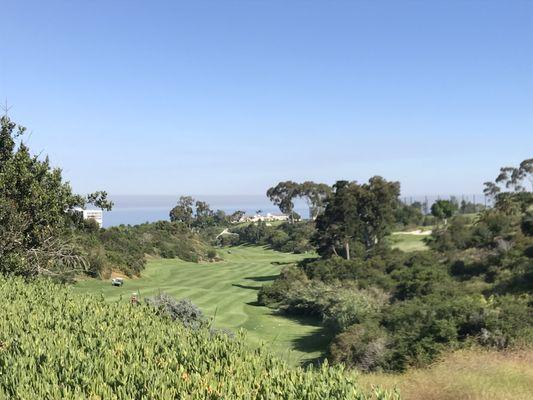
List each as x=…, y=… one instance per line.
x=266, y=218
x=95, y=215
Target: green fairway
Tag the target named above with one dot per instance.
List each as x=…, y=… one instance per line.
x=227, y=291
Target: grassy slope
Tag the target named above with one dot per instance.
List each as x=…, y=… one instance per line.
x=466, y=374
x=407, y=242
x=228, y=291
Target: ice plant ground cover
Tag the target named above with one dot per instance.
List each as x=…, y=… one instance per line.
x=56, y=344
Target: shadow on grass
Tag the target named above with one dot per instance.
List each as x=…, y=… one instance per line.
x=246, y=286
x=266, y=278
x=314, y=342
x=282, y=262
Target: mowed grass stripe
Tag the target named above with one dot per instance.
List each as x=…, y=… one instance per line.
x=227, y=290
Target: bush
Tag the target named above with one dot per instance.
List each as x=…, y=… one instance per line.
x=527, y=224
x=421, y=280
x=275, y=294
x=366, y=272
x=183, y=311
x=423, y=327
x=346, y=306
x=456, y=235
x=361, y=346
x=228, y=240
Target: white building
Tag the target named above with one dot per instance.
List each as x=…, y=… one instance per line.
x=95, y=215
x=266, y=218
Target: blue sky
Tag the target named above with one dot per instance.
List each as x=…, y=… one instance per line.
x=230, y=97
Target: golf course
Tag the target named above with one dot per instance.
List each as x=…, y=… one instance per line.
x=227, y=292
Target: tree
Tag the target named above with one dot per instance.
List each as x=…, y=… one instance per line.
x=282, y=195
x=204, y=214
x=409, y=214
x=237, y=216
x=183, y=211
x=220, y=217
x=491, y=189
x=35, y=211
x=443, y=209
x=514, y=178
x=354, y=214
x=337, y=226
x=315, y=195
x=99, y=199
x=515, y=197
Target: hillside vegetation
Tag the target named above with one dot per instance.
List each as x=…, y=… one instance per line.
x=58, y=345
x=391, y=310
x=124, y=248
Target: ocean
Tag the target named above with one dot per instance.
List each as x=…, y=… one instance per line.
x=137, y=209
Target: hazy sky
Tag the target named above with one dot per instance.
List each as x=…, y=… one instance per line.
x=230, y=97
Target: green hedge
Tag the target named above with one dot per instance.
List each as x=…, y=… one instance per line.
x=55, y=344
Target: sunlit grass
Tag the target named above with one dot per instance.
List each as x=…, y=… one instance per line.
x=408, y=242
x=467, y=374
x=227, y=292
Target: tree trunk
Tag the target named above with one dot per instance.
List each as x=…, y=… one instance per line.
x=347, y=249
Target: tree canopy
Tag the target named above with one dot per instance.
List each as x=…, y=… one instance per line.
x=183, y=211
x=356, y=217
x=284, y=194
x=99, y=199
x=512, y=190
x=443, y=209
x=35, y=206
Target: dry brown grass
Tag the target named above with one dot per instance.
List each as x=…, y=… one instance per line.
x=465, y=374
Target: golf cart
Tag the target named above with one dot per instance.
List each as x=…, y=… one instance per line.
x=117, y=281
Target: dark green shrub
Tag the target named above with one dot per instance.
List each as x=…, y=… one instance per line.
x=527, y=224
x=467, y=269
x=96, y=261
x=456, y=235
x=276, y=293
x=422, y=328
x=421, y=280
x=507, y=320
x=362, y=346
x=229, y=240
x=344, y=306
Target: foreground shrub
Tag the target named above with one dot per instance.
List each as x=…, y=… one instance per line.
x=347, y=306
x=361, y=346
x=423, y=327
x=58, y=345
x=183, y=311
x=527, y=224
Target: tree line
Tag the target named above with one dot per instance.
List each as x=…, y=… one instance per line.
x=385, y=309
